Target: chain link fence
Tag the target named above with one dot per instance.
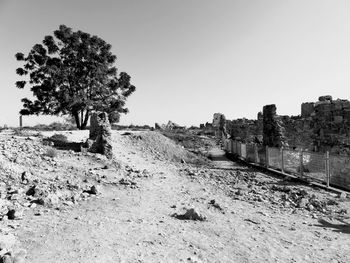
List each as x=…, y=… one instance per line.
x=339, y=168
x=324, y=168
x=274, y=158
x=250, y=152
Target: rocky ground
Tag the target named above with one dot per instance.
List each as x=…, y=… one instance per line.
x=157, y=202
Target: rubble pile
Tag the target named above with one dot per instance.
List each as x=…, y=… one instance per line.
x=163, y=148
x=35, y=176
x=276, y=193
x=191, y=142
x=30, y=178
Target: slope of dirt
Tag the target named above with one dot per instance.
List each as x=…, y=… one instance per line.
x=249, y=216
x=199, y=144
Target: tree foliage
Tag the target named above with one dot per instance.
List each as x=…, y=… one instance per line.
x=73, y=73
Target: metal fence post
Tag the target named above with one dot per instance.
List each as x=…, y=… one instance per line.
x=282, y=160
x=267, y=156
x=328, y=176
x=301, y=163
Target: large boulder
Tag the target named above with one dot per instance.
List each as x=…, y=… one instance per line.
x=100, y=134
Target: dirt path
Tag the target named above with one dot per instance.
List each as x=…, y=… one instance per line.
x=219, y=159
x=135, y=225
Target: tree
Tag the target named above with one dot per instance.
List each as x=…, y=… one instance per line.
x=73, y=73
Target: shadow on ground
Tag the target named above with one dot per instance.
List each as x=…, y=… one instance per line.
x=344, y=227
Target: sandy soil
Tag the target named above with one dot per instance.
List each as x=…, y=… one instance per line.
x=133, y=223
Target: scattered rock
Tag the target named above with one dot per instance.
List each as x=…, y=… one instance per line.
x=25, y=176
x=51, y=199
x=15, y=213
x=240, y=192
x=126, y=181
x=303, y=202
x=35, y=191
x=342, y=195
x=190, y=214
x=7, y=258
x=95, y=190
x=215, y=204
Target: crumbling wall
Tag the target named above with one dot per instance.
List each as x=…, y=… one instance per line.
x=217, y=119
x=273, y=132
x=322, y=126
x=219, y=123
x=298, y=132
x=244, y=130
x=307, y=109
x=331, y=124
x=100, y=136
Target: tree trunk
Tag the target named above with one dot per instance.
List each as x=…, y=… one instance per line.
x=77, y=120
x=86, y=118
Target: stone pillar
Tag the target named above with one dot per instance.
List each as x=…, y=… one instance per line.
x=273, y=132
x=100, y=134
x=219, y=123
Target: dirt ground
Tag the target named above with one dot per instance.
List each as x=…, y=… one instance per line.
x=249, y=216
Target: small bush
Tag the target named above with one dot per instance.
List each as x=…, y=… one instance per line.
x=51, y=152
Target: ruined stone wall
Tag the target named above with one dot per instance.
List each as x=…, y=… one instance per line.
x=298, y=132
x=219, y=124
x=217, y=119
x=322, y=126
x=244, y=130
x=273, y=131
x=307, y=109
x=331, y=125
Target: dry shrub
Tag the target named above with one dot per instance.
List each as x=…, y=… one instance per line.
x=51, y=152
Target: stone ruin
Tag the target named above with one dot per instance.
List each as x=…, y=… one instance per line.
x=322, y=126
x=273, y=131
x=100, y=139
x=331, y=123
x=219, y=123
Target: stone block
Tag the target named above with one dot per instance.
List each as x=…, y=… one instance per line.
x=325, y=98
x=307, y=109
x=337, y=105
x=346, y=104
x=338, y=119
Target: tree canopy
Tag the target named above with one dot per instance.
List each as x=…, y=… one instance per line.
x=73, y=73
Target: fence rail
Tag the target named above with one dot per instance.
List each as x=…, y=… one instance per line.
x=324, y=168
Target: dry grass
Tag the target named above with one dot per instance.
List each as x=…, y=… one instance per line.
x=51, y=152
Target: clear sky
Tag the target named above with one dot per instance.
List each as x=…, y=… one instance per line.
x=191, y=58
